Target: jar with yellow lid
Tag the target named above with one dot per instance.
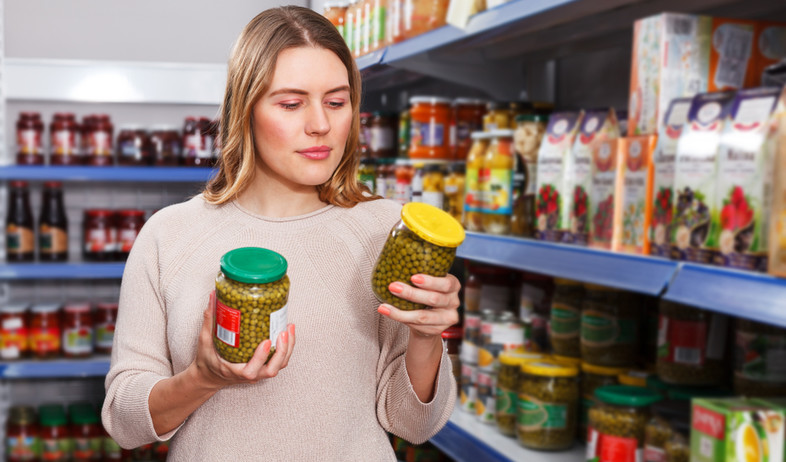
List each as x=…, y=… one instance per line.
x=634, y=378
x=497, y=117
x=609, y=327
x=547, y=407
x=592, y=378
x=473, y=196
x=508, y=387
x=496, y=182
x=566, y=361
x=424, y=241
x=565, y=322
x=454, y=191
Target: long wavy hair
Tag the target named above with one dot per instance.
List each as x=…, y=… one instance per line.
x=250, y=71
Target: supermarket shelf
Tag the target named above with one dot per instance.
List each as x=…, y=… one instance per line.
x=739, y=293
x=464, y=438
x=61, y=271
x=66, y=368
x=623, y=271
x=135, y=174
x=371, y=59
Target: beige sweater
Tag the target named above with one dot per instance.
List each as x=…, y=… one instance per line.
x=346, y=383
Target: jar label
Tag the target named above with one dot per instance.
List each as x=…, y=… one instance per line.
x=599, y=329
x=565, y=321
x=381, y=139
x=87, y=448
x=654, y=454
x=436, y=199
x=760, y=357
x=607, y=448
x=55, y=449
x=278, y=323
x=99, y=143
x=101, y=240
x=78, y=341
x=64, y=143
x=29, y=141
x=45, y=340
x=19, y=240
x=469, y=389
x=105, y=334
x=127, y=238
x=498, y=197
x=473, y=197
x=507, y=401
x=227, y=324
x=21, y=447
x=681, y=342
x=536, y=415
x=13, y=341
x=381, y=186
x=472, y=323
x=403, y=192
x=52, y=239
x=486, y=403
x=427, y=134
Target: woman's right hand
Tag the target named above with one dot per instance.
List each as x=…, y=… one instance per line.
x=218, y=373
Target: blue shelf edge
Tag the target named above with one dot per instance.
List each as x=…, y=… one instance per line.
x=94, y=367
x=371, y=59
x=79, y=173
x=62, y=271
x=462, y=445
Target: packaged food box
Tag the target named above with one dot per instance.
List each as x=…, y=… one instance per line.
x=636, y=201
x=664, y=160
x=734, y=430
x=777, y=238
x=694, y=178
x=778, y=404
x=604, y=192
x=597, y=128
x=552, y=156
x=745, y=171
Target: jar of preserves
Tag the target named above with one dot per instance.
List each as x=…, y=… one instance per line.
x=53, y=224
x=403, y=187
x=100, y=235
x=19, y=238
x=166, y=145
x=454, y=190
x=421, y=16
x=85, y=128
x=45, y=330
x=364, y=136
x=29, y=139
x=424, y=241
x=691, y=345
x=496, y=180
x=14, y=331
x=508, y=388
x=659, y=430
x=65, y=140
x=77, y=330
x=452, y=337
x=592, y=378
x=529, y=132
x=429, y=128
x=467, y=119
x=497, y=117
x=547, y=406
x=105, y=318
x=129, y=223
x=634, y=378
x=434, y=185
x=86, y=432
x=565, y=323
x=609, y=327
x=335, y=12
x=758, y=368
x=468, y=395
x=197, y=142
x=251, y=297
x=499, y=332
x=382, y=135
x=473, y=200
x=21, y=434
x=678, y=447
x=55, y=438
x=367, y=174
x=385, y=182
x=133, y=146
x=99, y=150
x=485, y=406
x=404, y=132
x=617, y=422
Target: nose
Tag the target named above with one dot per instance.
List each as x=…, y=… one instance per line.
x=317, y=123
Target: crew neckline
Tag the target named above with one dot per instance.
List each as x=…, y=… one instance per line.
x=302, y=217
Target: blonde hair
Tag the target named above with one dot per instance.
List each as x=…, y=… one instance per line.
x=250, y=71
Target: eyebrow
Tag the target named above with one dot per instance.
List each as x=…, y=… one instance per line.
x=298, y=91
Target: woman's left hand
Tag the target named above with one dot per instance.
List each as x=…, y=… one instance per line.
x=439, y=294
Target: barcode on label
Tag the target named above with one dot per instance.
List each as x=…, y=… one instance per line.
x=681, y=26
x=687, y=355
x=226, y=336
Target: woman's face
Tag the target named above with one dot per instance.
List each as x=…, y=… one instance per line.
x=301, y=124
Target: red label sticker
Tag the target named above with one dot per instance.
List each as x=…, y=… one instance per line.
x=682, y=342
x=708, y=422
x=617, y=449
x=227, y=324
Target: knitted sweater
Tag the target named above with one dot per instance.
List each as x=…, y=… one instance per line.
x=346, y=382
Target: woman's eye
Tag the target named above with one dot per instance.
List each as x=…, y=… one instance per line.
x=336, y=104
x=289, y=106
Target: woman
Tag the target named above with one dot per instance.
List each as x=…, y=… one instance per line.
x=287, y=182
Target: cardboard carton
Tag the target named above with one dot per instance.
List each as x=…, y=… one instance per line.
x=777, y=236
x=636, y=202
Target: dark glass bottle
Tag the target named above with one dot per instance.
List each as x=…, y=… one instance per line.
x=53, y=224
x=19, y=237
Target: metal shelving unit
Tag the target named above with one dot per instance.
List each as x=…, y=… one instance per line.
x=125, y=174
x=96, y=366
x=30, y=271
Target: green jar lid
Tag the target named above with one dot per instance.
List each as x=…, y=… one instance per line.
x=655, y=383
x=83, y=414
x=532, y=118
x=253, y=265
x=52, y=415
x=684, y=393
x=625, y=395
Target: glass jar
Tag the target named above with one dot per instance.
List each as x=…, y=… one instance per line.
x=454, y=191
x=251, y=296
x=55, y=438
x=659, y=431
x=133, y=146
x=367, y=174
x=634, y=378
x=19, y=237
x=417, y=181
x=592, y=378
x=609, y=328
x=382, y=135
x=429, y=128
x=691, y=345
x=45, y=330
x=528, y=134
x=404, y=133
x=468, y=118
x=565, y=322
x=468, y=396
x=421, y=16
x=485, y=406
x=99, y=231
x=129, y=223
x=508, y=387
x=473, y=196
x=198, y=137
x=452, y=337
x=86, y=432
x=424, y=241
x=678, y=447
x=64, y=140
x=77, y=330
x=534, y=306
x=497, y=117
x=547, y=406
x=99, y=141
x=434, y=185
x=53, y=224
x=14, y=331
x=364, y=136
x=496, y=182
x=403, y=187
x=385, y=182
x=29, y=139
x=617, y=422
x=105, y=318
x=499, y=332
x=758, y=359
x=21, y=434
x=166, y=145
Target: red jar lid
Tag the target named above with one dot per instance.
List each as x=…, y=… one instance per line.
x=77, y=308
x=99, y=213
x=131, y=213
x=53, y=184
x=18, y=184
x=453, y=333
x=107, y=306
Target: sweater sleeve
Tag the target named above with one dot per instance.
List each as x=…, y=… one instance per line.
x=140, y=354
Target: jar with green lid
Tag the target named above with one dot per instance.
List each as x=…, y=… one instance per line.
x=565, y=322
x=508, y=386
x=659, y=431
x=618, y=420
x=691, y=345
x=86, y=432
x=424, y=241
x=21, y=434
x=592, y=378
x=252, y=288
x=547, y=406
x=609, y=327
x=758, y=359
x=56, y=444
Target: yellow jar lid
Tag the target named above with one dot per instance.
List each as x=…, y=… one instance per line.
x=601, y=370
x=518, y=358
x=549, y=369
x=432, y=224
x=566, y=360
x=634, y=378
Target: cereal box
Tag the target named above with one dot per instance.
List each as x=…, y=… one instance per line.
x=694, y=178
x=597, y=128
x=777, y=238
x=636, y=201
x=554, y=150
x=745, y=170
x=664, y=160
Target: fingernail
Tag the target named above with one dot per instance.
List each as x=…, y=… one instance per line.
x=383, y=310
x=284, y=336
x=396, y=288
x=418, y=279
x=291, y=329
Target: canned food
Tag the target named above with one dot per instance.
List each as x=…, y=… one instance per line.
x=547, y=406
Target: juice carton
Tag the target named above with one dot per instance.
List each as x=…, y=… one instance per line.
x=597, y=128
x=745, y=171
x=777, y=404
x=777, y=238
x=736, y=430
x=769, y=45
x=694, y=178
x=732, y=57
x=636, y=201
x=664, y=160
x=552, y=155
x=605, y=195
x=671, y=59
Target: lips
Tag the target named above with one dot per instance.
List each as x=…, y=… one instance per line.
x=315, y=153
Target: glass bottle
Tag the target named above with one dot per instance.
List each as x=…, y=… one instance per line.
x=497, y=180
x=19, y=238
x=53, y=224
